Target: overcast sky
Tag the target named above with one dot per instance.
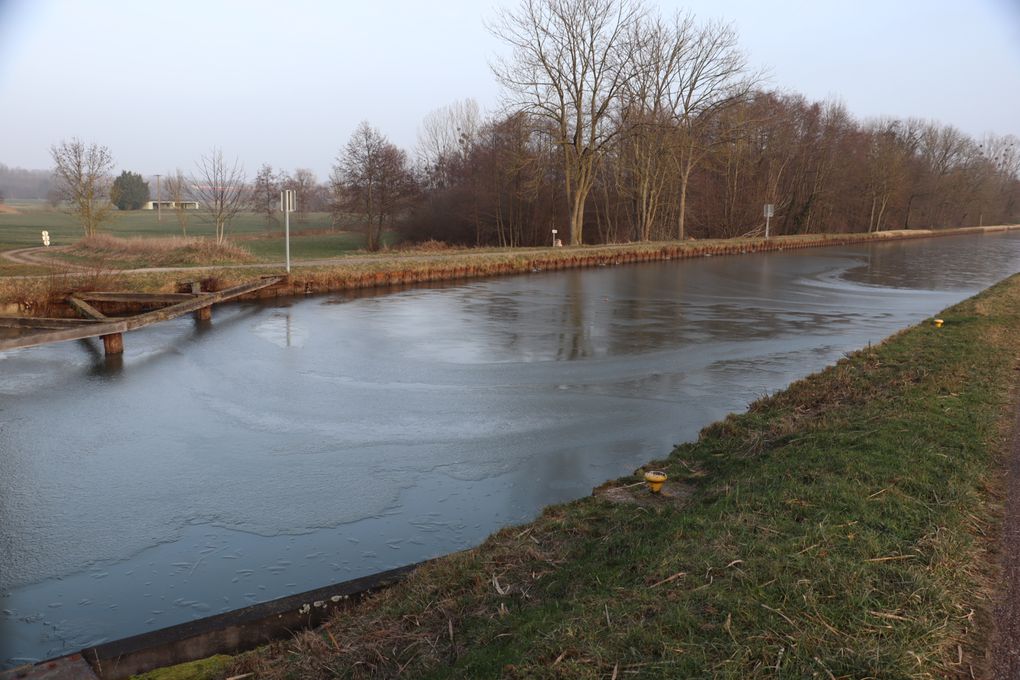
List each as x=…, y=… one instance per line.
x=160, y=83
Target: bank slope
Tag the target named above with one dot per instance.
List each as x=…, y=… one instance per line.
x=840, y=528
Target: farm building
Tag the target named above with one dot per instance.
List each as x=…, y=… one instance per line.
x=171, y=205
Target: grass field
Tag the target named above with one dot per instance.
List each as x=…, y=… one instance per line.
x=312, y=236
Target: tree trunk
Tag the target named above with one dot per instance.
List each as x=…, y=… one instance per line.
x=685, y=176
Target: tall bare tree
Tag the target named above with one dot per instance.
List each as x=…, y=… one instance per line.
x=708, y=76
x=372, y=178
x=83, y=175
x=571, y=59
x=220, y=189
x=661, y=53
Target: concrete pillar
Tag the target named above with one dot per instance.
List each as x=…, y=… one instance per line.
x=113, y=343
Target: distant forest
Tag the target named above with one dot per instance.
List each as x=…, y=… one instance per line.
x=18, y=183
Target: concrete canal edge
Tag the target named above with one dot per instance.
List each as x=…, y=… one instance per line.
x=228, y=633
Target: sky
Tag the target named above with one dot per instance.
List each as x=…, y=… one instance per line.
x=286, y=83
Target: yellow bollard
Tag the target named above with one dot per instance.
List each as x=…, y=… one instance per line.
x=655, y=480
x=938, y=323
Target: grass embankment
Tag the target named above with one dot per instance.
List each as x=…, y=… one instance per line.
x=840, y=528
x=418, y=265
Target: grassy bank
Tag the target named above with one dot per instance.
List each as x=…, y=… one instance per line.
x=840, y=528
x=412, y=266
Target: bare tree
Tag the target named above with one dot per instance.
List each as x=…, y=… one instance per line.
x=220, y=189
x=709, y=76
x=83, y=174
x=265, y=194
x=571, y=59
x=178, y=192
x=303, y=183
x=372, y=178
x=444, y=137
x=661, y=52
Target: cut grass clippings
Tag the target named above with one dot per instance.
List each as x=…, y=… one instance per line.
x=840, y=528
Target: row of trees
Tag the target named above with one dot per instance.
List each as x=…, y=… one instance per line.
x=618, y=125
x=503, y=182
x=372, y=179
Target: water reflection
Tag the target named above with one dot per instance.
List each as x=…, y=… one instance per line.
x=289, y=445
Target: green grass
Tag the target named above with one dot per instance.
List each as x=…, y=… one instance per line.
x=838, y=529
x=21, y=230
x=212, y=668
x=311, y=237
x=310, y=246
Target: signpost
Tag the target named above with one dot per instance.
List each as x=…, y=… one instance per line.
x=554, y=231
x=770, y=210
x=287, y=205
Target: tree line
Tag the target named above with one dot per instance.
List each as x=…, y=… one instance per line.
x=617, y=125
x=620, y=125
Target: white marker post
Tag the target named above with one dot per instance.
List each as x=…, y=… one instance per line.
x=46, y=238
x=554, y=231
x=770, y=210
x=287, y=205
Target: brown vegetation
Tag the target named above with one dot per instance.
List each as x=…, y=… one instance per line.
x=160, y=252
x=437, y=262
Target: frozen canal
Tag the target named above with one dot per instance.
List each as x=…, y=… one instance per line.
x=292, y=445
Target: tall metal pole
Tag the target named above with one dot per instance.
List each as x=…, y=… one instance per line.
x=286, y=205
x=159, y=201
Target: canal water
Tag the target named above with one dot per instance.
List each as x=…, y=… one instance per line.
x=290, y=445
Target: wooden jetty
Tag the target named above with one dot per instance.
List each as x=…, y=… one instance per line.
x=42, y=331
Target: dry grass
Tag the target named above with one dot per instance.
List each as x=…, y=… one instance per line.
x=160, y=252
x=427, y=263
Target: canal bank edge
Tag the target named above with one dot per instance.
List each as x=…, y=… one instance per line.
x=845, y=526
x=46, y=295
x=227, y=633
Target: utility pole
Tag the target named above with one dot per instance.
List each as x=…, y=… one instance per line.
x=159, y=202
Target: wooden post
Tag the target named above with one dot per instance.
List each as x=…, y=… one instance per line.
x=113, y=343
x=204, y=314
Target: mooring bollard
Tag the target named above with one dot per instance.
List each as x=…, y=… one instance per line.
x=655, y=480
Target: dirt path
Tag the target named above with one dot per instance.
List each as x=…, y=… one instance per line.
x=1004, y=660
x=34, y=256
x=37, y=256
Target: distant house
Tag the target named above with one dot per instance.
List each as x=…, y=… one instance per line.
x=171, y=205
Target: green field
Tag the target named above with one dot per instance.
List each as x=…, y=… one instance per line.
x=312, y=235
